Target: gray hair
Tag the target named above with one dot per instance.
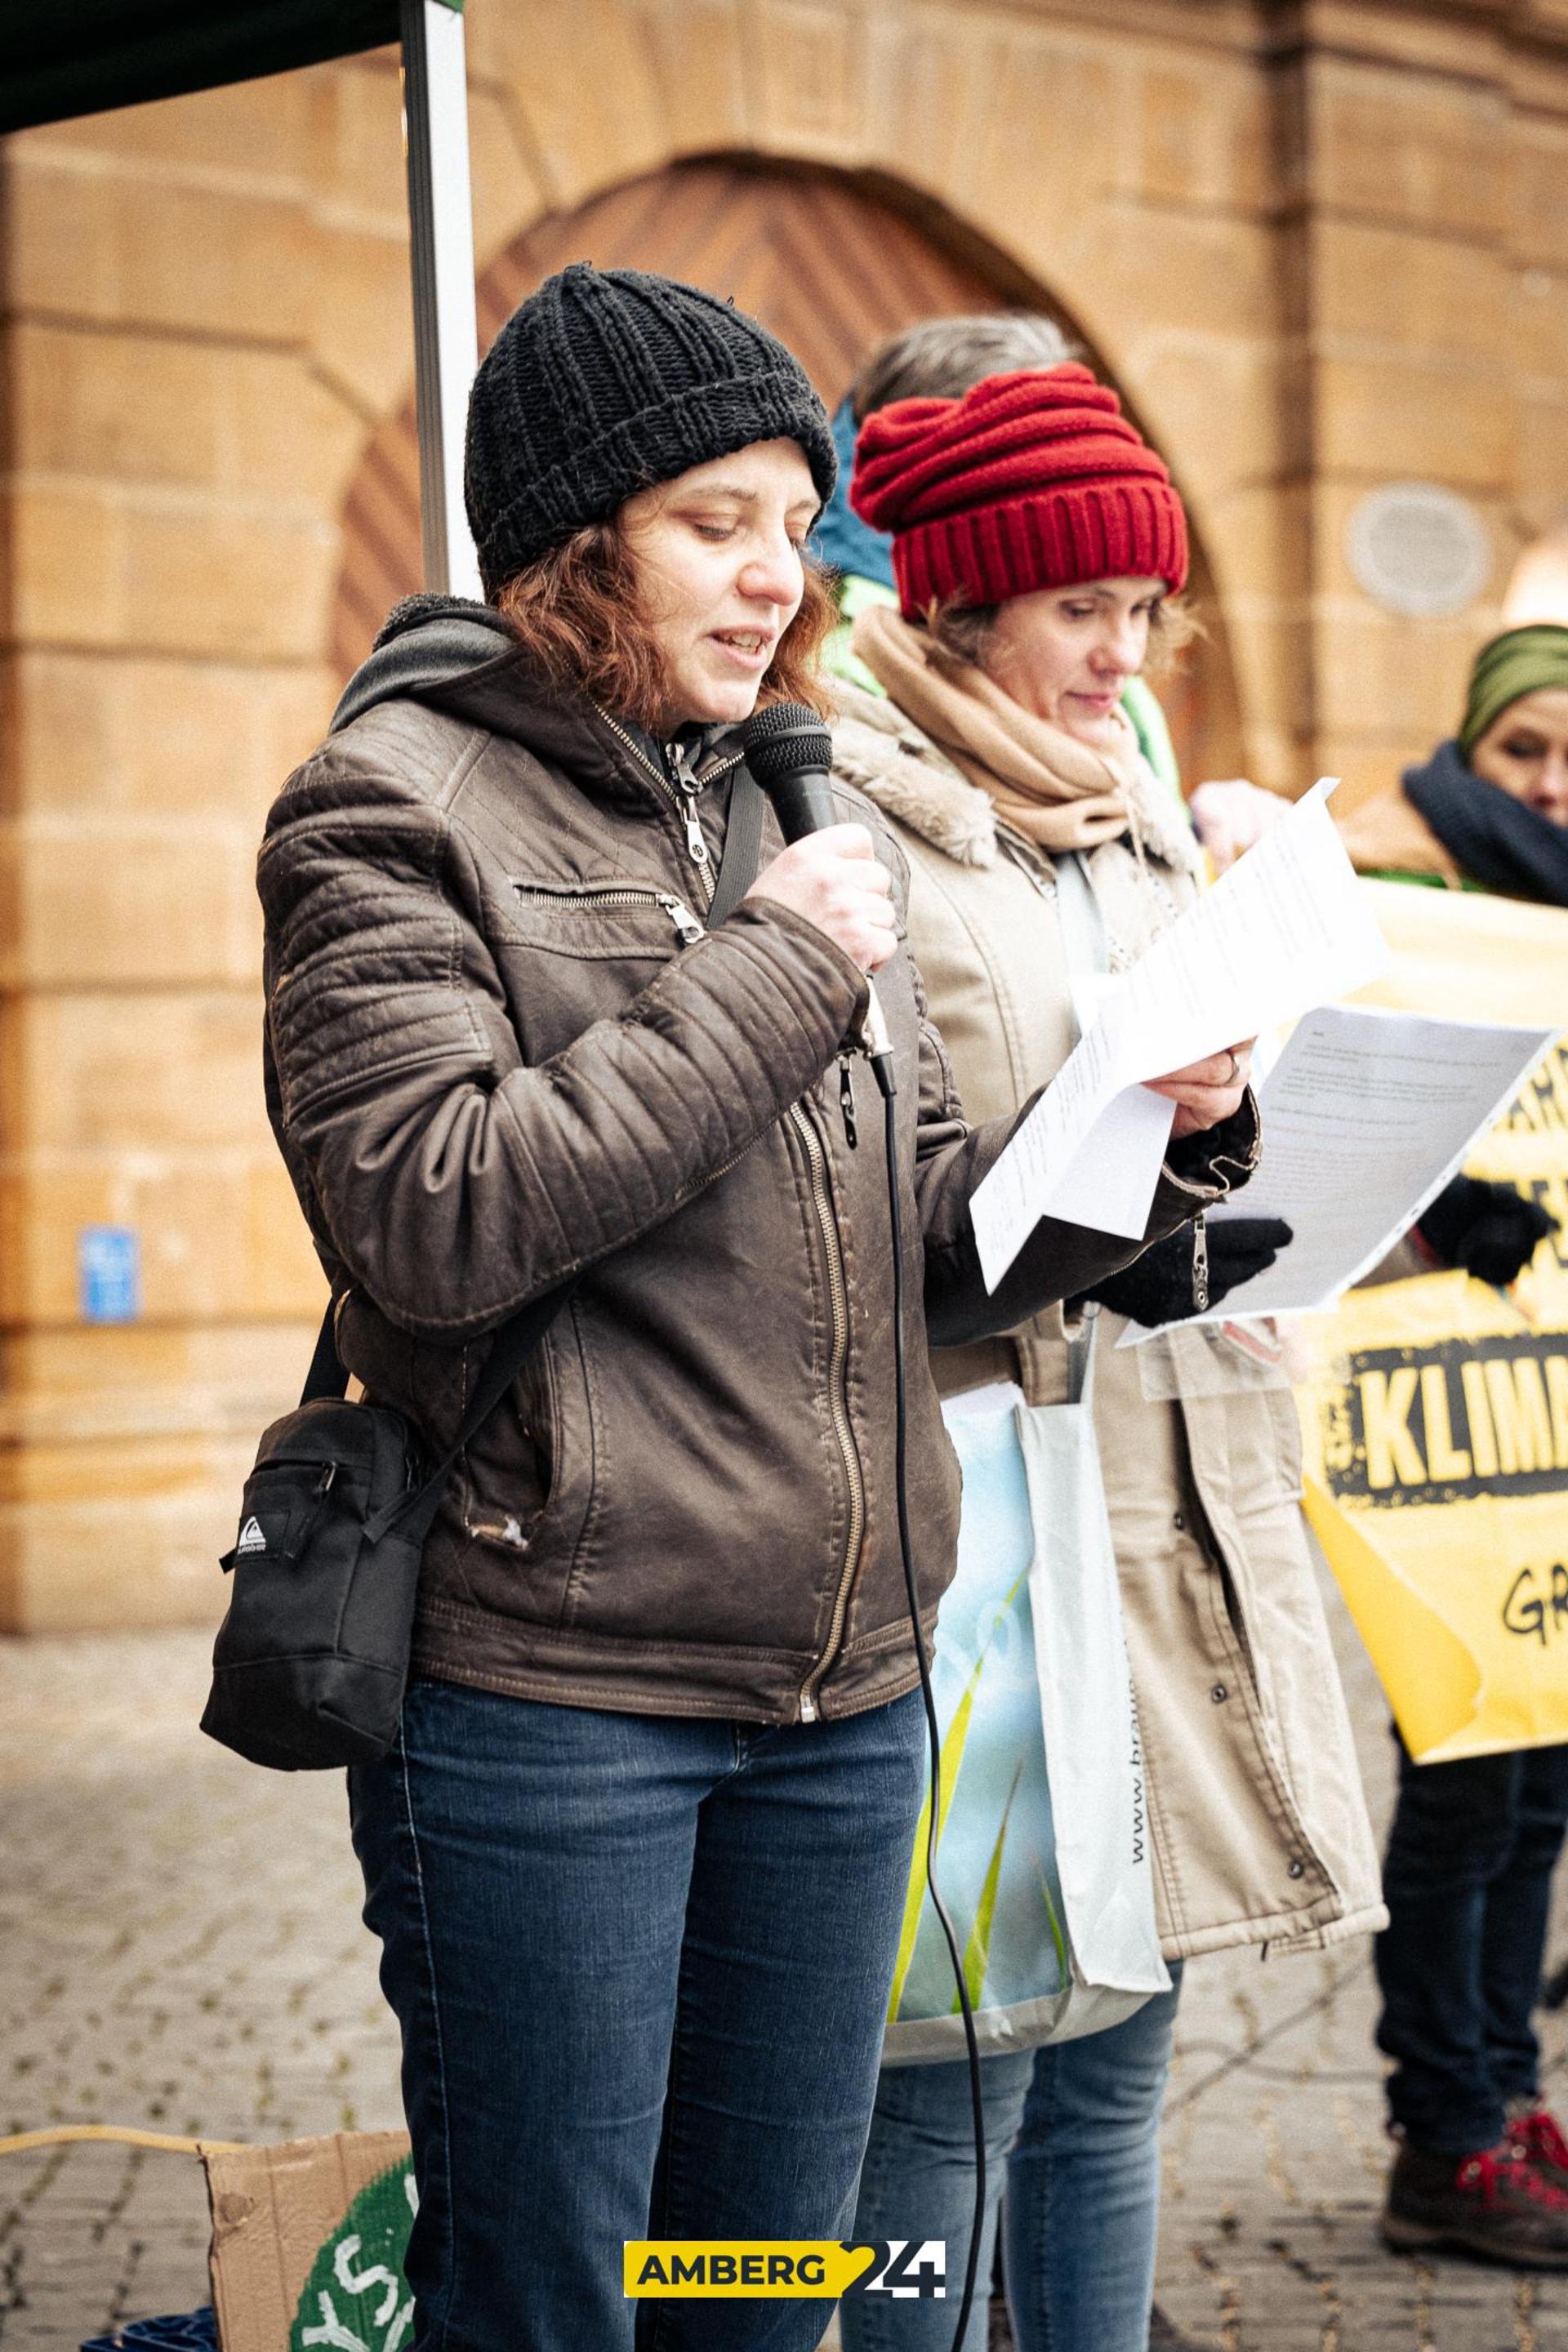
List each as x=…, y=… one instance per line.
x=939, y=359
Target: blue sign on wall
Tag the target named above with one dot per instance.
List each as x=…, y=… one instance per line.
x=109, y=1269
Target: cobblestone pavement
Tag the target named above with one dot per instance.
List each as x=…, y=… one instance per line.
x=180, y=1950
x=1276, y=2156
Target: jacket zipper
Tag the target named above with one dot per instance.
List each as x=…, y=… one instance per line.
x=838, y=1401
x=1027, y=859
x=682, y=791
x=679, y=790
x=688, y=930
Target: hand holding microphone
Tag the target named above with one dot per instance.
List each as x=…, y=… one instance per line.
x=836, y=880
x=830, y=872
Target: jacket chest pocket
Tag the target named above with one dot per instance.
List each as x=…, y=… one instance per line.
x=602, y=922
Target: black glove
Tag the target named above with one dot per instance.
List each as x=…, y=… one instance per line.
x=1490, y=1230
x=1156, y=1288
x=1240, y=1247
x=1161, y=1285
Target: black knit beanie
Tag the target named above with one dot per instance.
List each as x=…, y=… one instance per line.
x=605, y=381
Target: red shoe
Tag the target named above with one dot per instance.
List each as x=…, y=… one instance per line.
x=1495, y=2202
x=1542, y=2139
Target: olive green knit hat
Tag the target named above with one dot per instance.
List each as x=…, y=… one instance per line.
x=1520, y=662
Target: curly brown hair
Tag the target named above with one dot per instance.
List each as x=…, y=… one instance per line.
x=578, y=611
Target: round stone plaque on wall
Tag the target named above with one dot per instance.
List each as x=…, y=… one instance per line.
x=1419, y=548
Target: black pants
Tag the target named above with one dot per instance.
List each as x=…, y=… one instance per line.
x=1467, y=1882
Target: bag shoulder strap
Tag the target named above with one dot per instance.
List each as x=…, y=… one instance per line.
x=514, y=1343
x=1080, y=1361
x=743, y=847
x=1078, y=911
x=1084, y=945
x=328, y=1375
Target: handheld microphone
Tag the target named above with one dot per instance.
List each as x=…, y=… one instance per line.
x=790, y=752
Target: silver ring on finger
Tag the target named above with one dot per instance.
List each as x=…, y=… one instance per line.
x=1234, y=1072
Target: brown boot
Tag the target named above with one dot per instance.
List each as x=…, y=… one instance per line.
x=1496, y=2203
x=1164, y=2335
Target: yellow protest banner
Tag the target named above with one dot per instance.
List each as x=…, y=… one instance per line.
x=1466, y=956
x=1435, y=1411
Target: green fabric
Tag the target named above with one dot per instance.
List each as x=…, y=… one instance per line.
x=856, y=593
x=1143, y=708
x=1417, y=881
x=1520, y=662
x=1142, y=705
x=63, y=57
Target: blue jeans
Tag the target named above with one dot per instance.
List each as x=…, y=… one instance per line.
x=1072, y=2132
x=1467, y=1883
x=641, y=1966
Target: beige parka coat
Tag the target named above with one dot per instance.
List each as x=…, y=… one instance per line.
x=1260, y=1831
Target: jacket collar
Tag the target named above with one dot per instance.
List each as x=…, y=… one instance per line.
x=886, y=756
x=1387, y=835
x=611, y=757
x=461, y=658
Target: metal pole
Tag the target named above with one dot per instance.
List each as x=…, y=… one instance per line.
x=446, y=331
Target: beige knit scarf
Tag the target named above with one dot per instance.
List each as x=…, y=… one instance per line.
x=1045, y=784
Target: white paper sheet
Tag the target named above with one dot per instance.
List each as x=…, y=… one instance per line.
x=1110, y=1183
x=1366, y=1115
x=1284, y=929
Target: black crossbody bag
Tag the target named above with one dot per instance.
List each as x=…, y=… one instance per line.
x=311, y=1660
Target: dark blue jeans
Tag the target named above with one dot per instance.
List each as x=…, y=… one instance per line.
x=1467, y=1882
x=641, y=1966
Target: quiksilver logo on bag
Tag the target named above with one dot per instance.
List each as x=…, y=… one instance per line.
x=251, y=1538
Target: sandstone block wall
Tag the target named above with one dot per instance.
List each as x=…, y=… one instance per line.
x=179, y=435
x=1321, y=244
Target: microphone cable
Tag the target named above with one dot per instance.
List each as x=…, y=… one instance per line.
x=789, y=753
x=882, y=1070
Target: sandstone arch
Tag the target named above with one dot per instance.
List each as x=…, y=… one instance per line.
x=832, y=261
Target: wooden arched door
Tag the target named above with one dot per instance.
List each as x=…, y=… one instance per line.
x=828, y=265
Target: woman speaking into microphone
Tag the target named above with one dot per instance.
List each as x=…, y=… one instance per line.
x=637, y=1857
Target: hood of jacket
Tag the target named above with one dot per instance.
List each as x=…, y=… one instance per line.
x=463, y=658
x=1388, y=835
x=425, y=644
x=895, y=764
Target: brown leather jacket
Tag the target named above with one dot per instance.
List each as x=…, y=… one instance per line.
x=503, y=1050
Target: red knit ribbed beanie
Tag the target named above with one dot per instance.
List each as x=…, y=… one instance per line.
x=1034, y=479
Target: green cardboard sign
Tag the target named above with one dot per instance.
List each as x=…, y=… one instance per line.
x=356, y=2299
